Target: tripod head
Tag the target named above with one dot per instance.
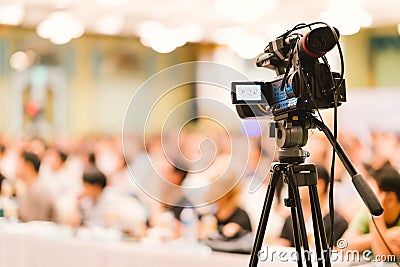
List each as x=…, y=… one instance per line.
x=291, y=134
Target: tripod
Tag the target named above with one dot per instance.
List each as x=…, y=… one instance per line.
x=292, y=169
x=296, y=174
x=291, y=134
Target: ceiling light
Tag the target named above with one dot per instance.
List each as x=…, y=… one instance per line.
x=60, y=39
x=347, y=16
x=243, y=43
x=161, y=38
x=12, y=14
x=20, y=61
x=60, y=28
x=193, y=32
x=62, y=3
x=111, y=2
x=365, y=18
x=345, y=24
x=244, y=11
x=111, y=25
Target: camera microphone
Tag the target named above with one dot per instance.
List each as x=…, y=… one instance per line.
x=318, y=42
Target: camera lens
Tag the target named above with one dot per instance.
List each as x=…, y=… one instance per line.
x=316, y=44
x=321, y=40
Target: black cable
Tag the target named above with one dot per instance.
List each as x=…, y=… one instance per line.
x=289, y=66
x=332, y=176
x=297, y=27
x=335, y=122
x=383, y=240
x=335, y=98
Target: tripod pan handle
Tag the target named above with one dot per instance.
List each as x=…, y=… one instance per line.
x=367, y=195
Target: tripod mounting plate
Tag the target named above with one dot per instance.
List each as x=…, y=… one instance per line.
x=292, y=155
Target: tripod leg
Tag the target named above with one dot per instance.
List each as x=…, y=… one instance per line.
x=300, y=215
x=264, y=215
x=316, y=228
x=297, y=240
x=321, y=226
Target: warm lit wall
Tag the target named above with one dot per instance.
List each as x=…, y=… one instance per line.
x=372, y=58
x=102, y=75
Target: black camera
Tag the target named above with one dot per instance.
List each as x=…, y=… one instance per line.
x=304, y=83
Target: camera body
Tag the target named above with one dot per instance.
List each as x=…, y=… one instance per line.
x=303, y=82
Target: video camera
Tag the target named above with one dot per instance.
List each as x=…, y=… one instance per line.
x=303, y=82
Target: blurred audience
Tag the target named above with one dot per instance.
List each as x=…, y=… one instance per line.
x=62, y=180
x=101, y=206
x=232, y=219
x=364, y=234
x=55, y=172
x=93, y=182
x=170, y=195
x=35, y=199
x=93, y=203
x=176, y=199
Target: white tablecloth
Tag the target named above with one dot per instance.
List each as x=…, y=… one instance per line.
x=18, y=250
x=47, y=245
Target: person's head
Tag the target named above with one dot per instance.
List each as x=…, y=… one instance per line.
x=87, y=158
x=254, y=155
x=174, y=173
x=3, y=150
x=389, y=190
x=37, y=146
x=323, y=180
x=28, y=165
x=179, y=173
x=94, y=181
x=223, y=176
x=318, y=146
x=56, y=158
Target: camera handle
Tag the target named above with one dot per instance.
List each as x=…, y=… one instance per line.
x=292, y=131
x=362, y=187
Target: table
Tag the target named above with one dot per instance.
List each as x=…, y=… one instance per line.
x=52, y=246
x=25, y=249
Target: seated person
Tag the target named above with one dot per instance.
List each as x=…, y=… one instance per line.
x=363, y=235
x=35, y=200
x=224, y=226
x=177, y=177
x=232, y=220
x=103, y=207
x=339, y=226
x=93, y=200
x=170, y=196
